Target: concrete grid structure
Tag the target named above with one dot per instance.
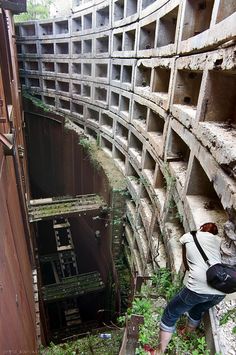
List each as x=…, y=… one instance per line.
x=155, y=83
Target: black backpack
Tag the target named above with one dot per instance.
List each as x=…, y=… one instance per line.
x=220, y=276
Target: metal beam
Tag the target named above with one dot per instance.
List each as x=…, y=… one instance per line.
x=49, y=208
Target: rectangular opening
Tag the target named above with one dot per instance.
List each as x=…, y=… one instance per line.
x=147, y=36
x=124, y=105
x=76, y=68
x=63, y=68
x=61, y=27
x=106, y=145
x=133, y=180
x=49, y=100
x=30, y=48
x=30, y=65
x=116, y=72
x=102, y=17
x=92, y=133
x=87, y=69
x=131, y=7
x=87, y=21
x=161, y=80
x=149, y=166
x=155, y=124
x=197, y=17
x=119, y=159
x=28, y=30
x=178, y=155
x=143, y=76
x=119, y=10
x=101, y=70
x=47, y=48
x=106, y=121
x=129, y=40
x=76, y=24
x=77, y=108
x=34, y=82
x=202, y=198
x=177, y=148
x=76, y=47
x=139, y=113
x=167, y=28
x=49, y=84
x=63, y=86
x=122, y=132
x=62, y=48
x=226, y=8
x=48, y=66
x=117, y=41
x=135, y=145
x=87, y=46
x=46, y=29
x=86, y=91
x=187, y=87
x=101, y=94
x=92, y=115
x=221, y=98
x=64, y=104
x=102, y=44
x=76, y=89
x=115, y=99
x=127, y=74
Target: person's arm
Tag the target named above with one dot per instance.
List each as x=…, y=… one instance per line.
x=184, y=257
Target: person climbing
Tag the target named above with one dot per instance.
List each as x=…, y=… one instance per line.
x=197, y=296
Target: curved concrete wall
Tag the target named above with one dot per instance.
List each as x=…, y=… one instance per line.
x=155, y=82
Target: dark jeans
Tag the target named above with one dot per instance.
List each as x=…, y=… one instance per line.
x=195, y=304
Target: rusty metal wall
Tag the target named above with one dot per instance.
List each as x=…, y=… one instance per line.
x=17, y=308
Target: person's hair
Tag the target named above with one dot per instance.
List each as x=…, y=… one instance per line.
x=209, y=227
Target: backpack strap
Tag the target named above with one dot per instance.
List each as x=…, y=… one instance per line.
x=200, y=248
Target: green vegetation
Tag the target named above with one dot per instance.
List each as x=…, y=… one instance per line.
x=37, y=102
x=90, y=345
x=36, y=10
x=229, y=315
x=150, y=303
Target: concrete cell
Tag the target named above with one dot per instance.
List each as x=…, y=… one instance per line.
x=226, y=8
x=28, y=30
x=87, y=21
x=77, y=24
x=197, y=17
x=147, y=36
x=62, y=48
x=76, y=47
x=131, y=7
x=118, y=10
x=102, y=44
x=49, y=100
x=46, y=29
x=103, y=17
x=101, y=70
x=30, y=48
x=161, y=80
x=76, y=88
x=49, y=84
x=167, y=28
x=129, y=40
x=61, y=27
x=76, y=68
x=127, y=74
x=31, y=65
x=187, y=87
x=62, y=68
x=118, y=41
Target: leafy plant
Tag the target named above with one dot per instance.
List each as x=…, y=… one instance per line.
x=229, y=315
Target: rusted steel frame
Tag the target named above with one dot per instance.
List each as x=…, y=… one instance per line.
x=16, y=6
